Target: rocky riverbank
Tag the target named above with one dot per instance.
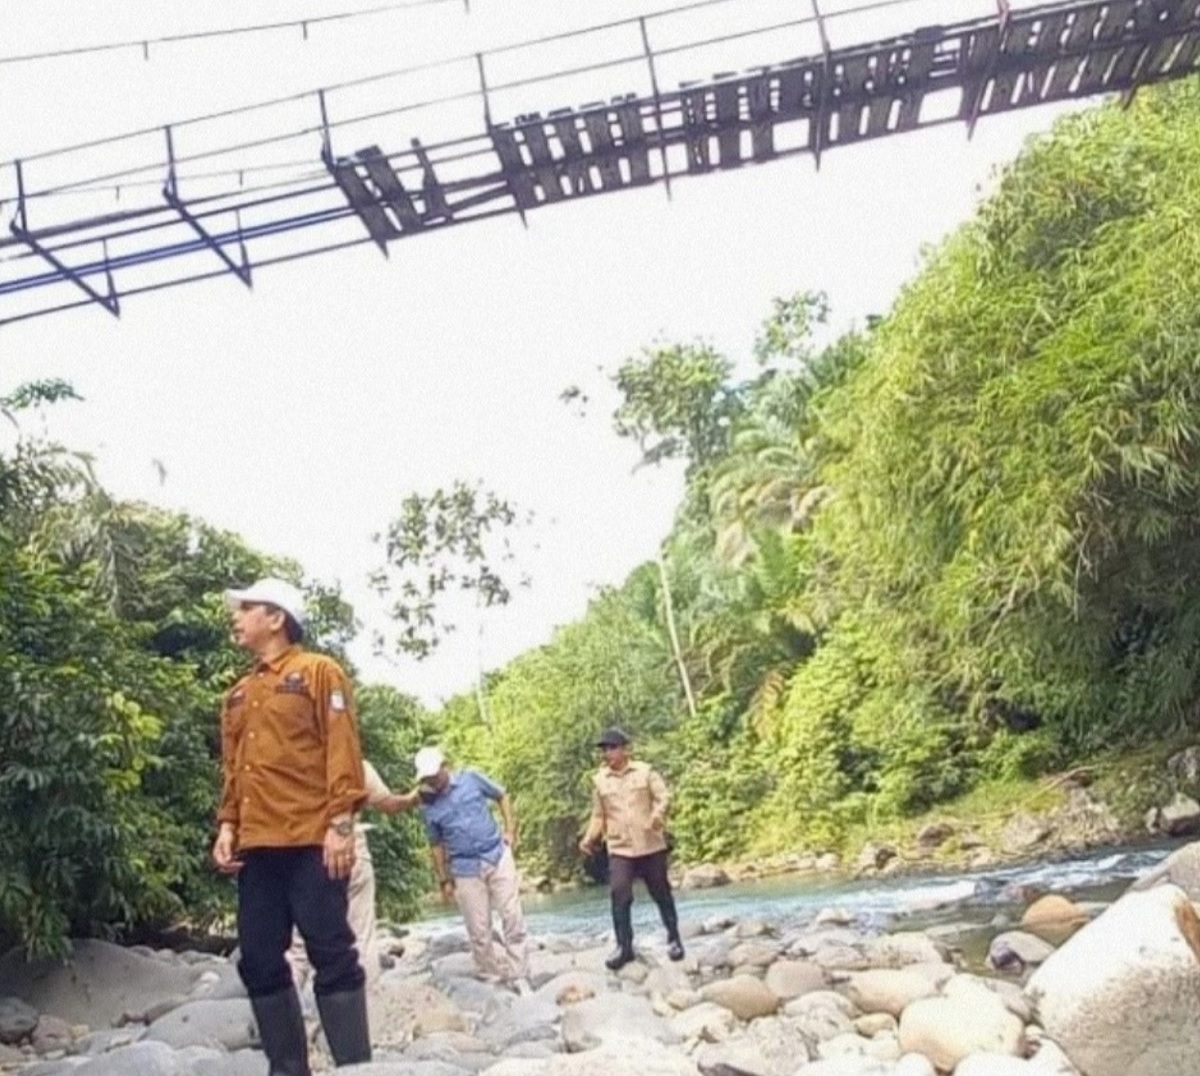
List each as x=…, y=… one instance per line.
x=1098, y=990
x=1055, y=817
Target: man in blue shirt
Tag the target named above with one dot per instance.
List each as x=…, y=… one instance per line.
x=473, y=861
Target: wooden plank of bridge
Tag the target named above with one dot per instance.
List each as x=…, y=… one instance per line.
x=801, y=90
x=1175, y=52
x=604, y=151
x=574, y=160
x=1094, y=75
x=887, y=64
x=1186, y=57
x=544, y=168
x=364, y=203
x=391, y=187
x=912, y=81
x=633, y=141
x=758, y=104
x=512, y=166
x=695, y=123
x=1012, y=71
x=978, y=54
x=850, y=76
x=726, y=99
x=1083, y=26
x=1047, y=50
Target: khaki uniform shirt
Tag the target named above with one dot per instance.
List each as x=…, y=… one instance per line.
x=290, y=752
x=377, y=792
x=626, y=806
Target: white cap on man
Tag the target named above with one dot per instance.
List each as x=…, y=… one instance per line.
x=278, y=592
x=428, y=761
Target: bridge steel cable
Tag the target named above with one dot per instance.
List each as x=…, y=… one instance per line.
x=66, y=249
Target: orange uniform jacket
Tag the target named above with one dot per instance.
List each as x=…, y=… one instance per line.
x=290, y=752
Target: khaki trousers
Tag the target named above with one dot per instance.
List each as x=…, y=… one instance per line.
x=496, y=889
x=361, y=916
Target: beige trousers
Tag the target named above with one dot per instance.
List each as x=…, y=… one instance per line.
x=495, y=890
x=361, y=916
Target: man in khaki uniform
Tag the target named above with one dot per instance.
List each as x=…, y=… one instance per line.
x=293, y=779
x=629, y=810
x=361, y=895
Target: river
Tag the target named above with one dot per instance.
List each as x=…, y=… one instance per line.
x=790, y=902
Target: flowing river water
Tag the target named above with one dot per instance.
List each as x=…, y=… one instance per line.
x=966, y=907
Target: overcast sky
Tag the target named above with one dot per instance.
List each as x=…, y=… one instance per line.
x=300, y=414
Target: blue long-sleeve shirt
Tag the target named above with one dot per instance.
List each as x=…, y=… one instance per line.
x=460, y=819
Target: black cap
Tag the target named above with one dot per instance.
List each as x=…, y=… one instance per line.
x=613, y=737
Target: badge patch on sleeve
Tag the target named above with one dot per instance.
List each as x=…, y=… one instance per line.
x=337, y=701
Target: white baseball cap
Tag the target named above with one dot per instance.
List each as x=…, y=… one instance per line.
x=277, y=592
x=428, y=761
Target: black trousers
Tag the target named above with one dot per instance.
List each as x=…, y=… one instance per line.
x=651, y=869
x=282, y=888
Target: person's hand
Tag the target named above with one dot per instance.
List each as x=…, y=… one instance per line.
x=395, y=802
x=510, y=838
x=586, y=847
x=222, y=851
x=446, y=890
x=657, y=822
x=338, y=853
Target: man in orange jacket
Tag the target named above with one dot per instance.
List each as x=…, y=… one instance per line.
x=293, y=779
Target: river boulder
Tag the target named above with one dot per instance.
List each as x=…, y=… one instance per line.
x=967, y=1019
x=1181, y=868
x=1122, y=997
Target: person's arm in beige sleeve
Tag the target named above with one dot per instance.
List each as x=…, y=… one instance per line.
x=661, y=800
x=376, y=786
x=595, y=827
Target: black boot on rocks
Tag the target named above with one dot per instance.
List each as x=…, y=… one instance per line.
x=281, y=1029
x=344, y=1021
x=622, y=915
x=671, y=922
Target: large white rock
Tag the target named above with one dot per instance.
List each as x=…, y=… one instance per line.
x=902, y=948
x=947, y=1029
x=708, y=1022
x=888, y=990
x=743, y=995
x=1122, y=997
x=788, y=979
x=1181, y=868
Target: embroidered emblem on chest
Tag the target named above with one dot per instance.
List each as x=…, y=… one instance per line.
x=292, y=684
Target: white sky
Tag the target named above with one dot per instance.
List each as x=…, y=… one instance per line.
x=300, y=414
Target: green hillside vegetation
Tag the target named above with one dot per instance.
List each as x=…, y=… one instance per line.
x=114, y=653
x=953, y=551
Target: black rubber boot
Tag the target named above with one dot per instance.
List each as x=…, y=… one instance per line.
x=671, y=921
x=344, y=1021
x=281, y=1029
x=622, y=916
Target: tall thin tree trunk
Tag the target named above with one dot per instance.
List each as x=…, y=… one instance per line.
x=480, y=693
x=668, y=606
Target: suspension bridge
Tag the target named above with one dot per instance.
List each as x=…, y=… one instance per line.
x=181, y=204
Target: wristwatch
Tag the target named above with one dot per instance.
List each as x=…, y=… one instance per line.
x=344, y=828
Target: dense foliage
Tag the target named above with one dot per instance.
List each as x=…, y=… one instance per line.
x=959, y=545
x=114, y=653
